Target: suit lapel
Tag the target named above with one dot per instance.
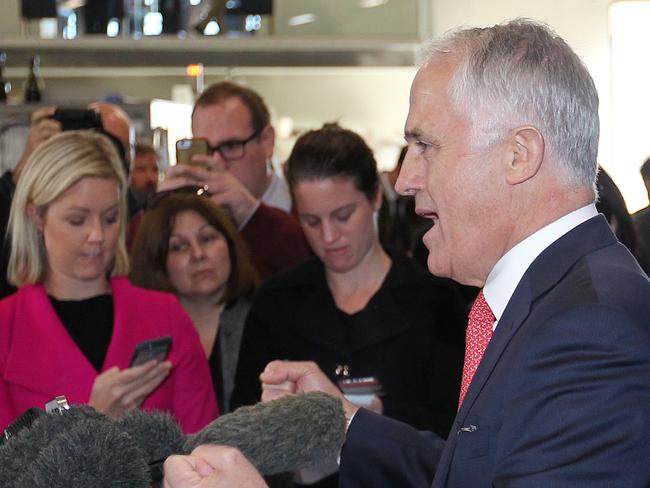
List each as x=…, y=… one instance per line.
x=545, y=271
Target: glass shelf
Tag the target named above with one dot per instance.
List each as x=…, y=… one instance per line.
x=227, y=52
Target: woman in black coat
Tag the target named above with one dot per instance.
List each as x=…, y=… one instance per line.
x=355, y=309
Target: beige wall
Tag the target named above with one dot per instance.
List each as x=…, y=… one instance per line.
x=9, y=17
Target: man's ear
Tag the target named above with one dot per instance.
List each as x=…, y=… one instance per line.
x=35, y=216
x=525, y=154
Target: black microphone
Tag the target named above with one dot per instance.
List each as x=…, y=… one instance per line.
x=292, y=432
x=93, y=453
x=158, y=436
x=24, y=421
x=18, y=452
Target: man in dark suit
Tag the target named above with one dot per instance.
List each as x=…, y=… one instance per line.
x=503, y=135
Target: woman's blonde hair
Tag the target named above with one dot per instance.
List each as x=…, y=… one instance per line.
x=53, y=167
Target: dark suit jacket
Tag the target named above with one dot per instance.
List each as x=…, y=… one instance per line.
x=561, y=397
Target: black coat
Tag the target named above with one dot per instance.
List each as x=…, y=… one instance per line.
x=410, y=336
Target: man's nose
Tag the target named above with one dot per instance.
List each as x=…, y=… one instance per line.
x=411, y=175
x=219, y=161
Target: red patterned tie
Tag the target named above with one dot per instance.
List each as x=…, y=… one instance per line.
x=478, y=335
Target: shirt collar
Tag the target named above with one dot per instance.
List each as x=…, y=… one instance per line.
x=508, y=271
x=277, y=194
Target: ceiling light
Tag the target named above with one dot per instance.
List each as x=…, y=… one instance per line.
x=371, y=3
x=302, y=19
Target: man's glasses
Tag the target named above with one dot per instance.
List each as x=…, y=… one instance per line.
x=235, y=148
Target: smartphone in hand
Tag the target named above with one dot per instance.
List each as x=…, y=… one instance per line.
x=361, y=391
x=186, y=148
x=157, y=348
x=360, y=386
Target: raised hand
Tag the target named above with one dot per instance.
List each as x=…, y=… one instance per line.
x=281, y=378
x=222, y=186
x=117, y=391
x=42, y=127
x=211, y=467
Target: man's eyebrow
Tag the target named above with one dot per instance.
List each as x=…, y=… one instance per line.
x=409, y=135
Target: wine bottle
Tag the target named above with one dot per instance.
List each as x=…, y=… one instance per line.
x=34, y=85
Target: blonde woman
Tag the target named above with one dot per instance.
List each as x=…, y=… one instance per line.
x=74, y=323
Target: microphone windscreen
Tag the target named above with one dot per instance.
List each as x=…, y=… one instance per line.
x=23, y=421
x=92, y=453
x=156, y=433
x=19, y=451
x=292, y=432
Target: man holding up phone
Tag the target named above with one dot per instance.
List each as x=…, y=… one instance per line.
x=235, y=123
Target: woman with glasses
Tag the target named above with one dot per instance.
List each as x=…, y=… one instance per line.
x=73, y=325
x=359, y=311
x=187, y=245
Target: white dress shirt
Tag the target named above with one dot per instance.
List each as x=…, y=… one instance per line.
x=507, y=273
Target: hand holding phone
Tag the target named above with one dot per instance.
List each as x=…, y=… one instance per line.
x=157, y=349
x=117, y=391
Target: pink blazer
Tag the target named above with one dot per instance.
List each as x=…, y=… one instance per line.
x=39, y=360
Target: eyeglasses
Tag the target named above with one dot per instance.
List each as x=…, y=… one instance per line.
x=235, y=148
x=154, y=200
